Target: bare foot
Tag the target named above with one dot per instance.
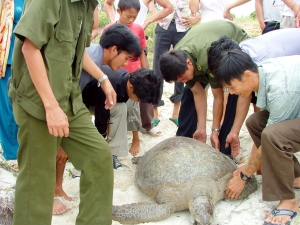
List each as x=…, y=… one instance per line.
x=289, y=204
x=59, y=208
x=297, y=182
x=155, y=132
x=61, y=193
x=135, y=148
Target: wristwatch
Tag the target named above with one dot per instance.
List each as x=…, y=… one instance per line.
x=101, y=79
x=244, y=177
x=215, y=130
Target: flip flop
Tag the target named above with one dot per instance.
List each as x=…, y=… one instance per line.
x=282, y=212
x=174, y=120
x=155, y=121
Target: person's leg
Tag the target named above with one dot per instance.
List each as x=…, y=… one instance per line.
x=58, y=206
x=175, y=113
x=61, y=160
x=89, y=152
x=146, y=111
x=270, y=26
x=178, y=86
x=36, y=179
x=187, y=119
x=135, y=146
x=279, y=142
x=8, y=126
x=162, y=44
x=117, y=136
x=255, y=124
x=227, y=123
x=288, y=22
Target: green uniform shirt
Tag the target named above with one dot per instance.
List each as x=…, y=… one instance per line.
x=61, y=30
x=197, y=42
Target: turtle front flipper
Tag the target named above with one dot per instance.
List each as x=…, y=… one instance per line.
x=142, y=212
x=135, y=160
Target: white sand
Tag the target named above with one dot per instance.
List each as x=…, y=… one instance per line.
x=249, y=211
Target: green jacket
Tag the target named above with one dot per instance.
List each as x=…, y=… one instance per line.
x=197, y=42
x=61, y=30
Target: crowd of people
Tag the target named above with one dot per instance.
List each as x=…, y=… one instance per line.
x=53, y=79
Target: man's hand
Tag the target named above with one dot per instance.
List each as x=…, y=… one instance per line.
x=234, y=187
x=146, y=24
x=296, y=10
x=190, y=21
x=200, y=135
x=214, y=139
x=234, y=142
x=57, y=122
x=227, y=14
x=61, y=156
x=111, y=96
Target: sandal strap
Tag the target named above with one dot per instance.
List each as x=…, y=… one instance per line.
x=283, y=212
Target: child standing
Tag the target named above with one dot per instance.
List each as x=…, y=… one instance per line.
x=128, y=11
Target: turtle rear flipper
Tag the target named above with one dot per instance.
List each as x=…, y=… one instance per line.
x=135, y=160
x=142, y=212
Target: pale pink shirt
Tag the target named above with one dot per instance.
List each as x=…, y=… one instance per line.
x=181, y=9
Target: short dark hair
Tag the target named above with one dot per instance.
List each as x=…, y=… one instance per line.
x=146, y=85
x=232, y=65
x=214, y=52
x=121, y=36
x=129, y=4
x=172, y=64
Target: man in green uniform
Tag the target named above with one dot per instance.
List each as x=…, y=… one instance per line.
x=49, y=55
x=188, y=63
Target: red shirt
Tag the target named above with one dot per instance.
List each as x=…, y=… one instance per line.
x=139, y=32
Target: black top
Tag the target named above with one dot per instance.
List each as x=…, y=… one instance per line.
x=92, y=95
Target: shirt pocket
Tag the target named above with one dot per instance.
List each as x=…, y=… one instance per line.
x=60, y=46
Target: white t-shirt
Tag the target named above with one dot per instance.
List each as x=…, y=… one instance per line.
x=141, y=17
x=213, y=9
x=278, y=43
x=287, y=11
x=272, y=10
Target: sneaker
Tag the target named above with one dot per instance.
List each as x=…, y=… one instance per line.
x=117, y=165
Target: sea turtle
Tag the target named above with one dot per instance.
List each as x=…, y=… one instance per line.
x=180, y=173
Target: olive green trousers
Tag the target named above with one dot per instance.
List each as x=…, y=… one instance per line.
x=86, y=149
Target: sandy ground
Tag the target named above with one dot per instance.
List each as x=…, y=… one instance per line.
x=251, y=210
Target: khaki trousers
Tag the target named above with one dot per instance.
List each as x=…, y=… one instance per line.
x=279, y=142
x=86, y=149
x=117, y=135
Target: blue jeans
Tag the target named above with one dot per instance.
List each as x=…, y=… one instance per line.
x=187, y=120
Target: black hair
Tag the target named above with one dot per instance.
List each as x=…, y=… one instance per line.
x=146, y=85
x=172, y=64
x=129, y=4
x=214, y=52
x=232, y=65
x=121, y=36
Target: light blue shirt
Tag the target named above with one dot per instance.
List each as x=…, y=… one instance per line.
x=278, y=43
x=279, y=88
x=96, y=52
